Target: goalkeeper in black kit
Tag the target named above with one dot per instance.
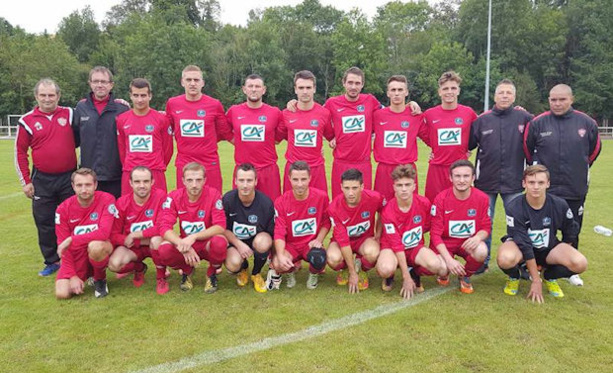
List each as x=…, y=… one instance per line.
x=533, y=221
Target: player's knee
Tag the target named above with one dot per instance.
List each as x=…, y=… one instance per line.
x=98, y=250
x=386, y=268
x=233, y=261
x=62, y=291
x=334, y=257
x=578, y=263
x=480, y=252
x=155, y=242
x=115, y=264
x=317, y=258
x=262, y=242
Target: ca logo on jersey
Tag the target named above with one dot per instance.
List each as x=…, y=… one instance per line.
x=358, y=229
x=192, y=127
x=461, y=228
x=395, y=139
x=85, y=229
x=354, y=123
x=305, y=138
x=539, y=237
x=141, y=143
x=141, y=226
x=304, y=227
x=191, y=228
x=411, y=238
x=243, y=231
x=253, y=132
x=449, y=136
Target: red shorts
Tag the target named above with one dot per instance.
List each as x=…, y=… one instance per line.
x=142, y=252
x=213, y=176
x=318, y=178
x=437, y=180
x=383, y=179
x=269, y=181
x=338, y=167
x=159, y=178
x=454, y=248
x=355, y=244
x=75, y=263
x=298, y=253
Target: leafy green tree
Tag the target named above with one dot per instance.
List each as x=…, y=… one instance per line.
x=81, y=33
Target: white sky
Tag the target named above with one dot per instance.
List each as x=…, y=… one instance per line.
x=36, y=16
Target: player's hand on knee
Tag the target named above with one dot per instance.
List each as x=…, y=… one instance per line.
x=455, y=267
x=76, y=285
x=285, y=264
x=191, y=258
x=243, y=250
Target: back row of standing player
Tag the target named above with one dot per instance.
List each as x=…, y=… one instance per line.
x=347, y=121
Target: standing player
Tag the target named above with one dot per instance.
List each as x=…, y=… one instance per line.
x=46, y=130
x=352, y=115
x=396, y=131
x=301, y=225
x=250, y=227
x=201, y=218
x=136, y=233
x=406, y=219
x=96, y=130
x=533, y=222
x=256, y=130
x=304, y=130
x=198, y=122
x=460, y=225
x=355, y=231
x=500, y=157
x=83, y=226
x=144, y=137
x=566, y=141
x=448, y=128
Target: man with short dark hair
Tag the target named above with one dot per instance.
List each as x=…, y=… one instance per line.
x=566, y=141
x=96, y=130
x=249, y=227
x=47, y=131
x=144, y=137
x=448, y=127
x=255, y=125
x=356, y=230
x=301, y=225
x=202, y=223
x=136, y=234
x=533, y=221
x=460, y=225
x=305, y=129
x=83, y=226
x=499, y=135
x=199, y=123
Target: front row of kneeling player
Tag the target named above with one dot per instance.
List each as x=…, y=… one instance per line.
x=245, y=223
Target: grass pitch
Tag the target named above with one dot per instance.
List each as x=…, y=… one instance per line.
x=134, y=329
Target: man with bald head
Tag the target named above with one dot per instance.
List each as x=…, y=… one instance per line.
x=566, y=141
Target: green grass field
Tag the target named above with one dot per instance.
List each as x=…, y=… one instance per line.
x=135, y=329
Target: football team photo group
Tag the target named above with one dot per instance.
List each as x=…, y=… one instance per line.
x=96, y=177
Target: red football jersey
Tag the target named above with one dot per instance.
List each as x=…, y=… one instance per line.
x=255, y=133
x=299, y=222
x=134, y=218
x=453, y=220
x=197, y=126
x=52, y=141
x=304, y=131
x=144, y=140
x=355, y=223
x=193, y=217
x=448, y=133
x=85, y=224
x=352, y=122
x=405, y=230
x=396, y=136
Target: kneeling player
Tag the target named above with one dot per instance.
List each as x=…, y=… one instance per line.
x=202, y=221
x=353, y=215
x=533, y=221
x=460, y=225
x=406, y=219
x=136, y=230
x=249, y=227
x=301, y=224
x=83, y=225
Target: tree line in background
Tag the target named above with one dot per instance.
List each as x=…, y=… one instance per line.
x=536, y=43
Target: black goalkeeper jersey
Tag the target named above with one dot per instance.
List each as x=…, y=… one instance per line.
x=246, y=222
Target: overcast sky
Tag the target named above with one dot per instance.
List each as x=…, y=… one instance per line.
x=36, y=16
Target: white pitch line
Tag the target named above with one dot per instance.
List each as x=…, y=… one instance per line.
x=217, y=356
x=7, y=196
